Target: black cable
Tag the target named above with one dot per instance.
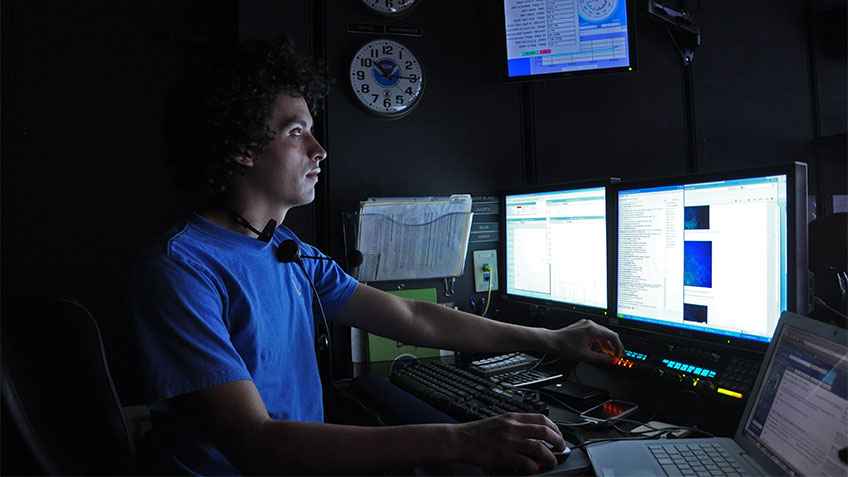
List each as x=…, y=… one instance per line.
x=819, y=302
x=351, y=396
x=590, y=442
x=660, y=429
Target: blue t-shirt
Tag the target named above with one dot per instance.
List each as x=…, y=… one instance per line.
x=211, y=306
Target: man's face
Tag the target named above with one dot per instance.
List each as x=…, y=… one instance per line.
x=286, y=174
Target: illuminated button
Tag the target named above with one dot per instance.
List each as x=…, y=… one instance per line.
x=730, y=393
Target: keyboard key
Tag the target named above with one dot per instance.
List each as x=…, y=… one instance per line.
x=672, y=471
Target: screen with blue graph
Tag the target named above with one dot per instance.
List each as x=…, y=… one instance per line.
x=714, y=256
x=567, y=37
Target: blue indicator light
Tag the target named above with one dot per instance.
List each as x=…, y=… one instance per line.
x=698, y=371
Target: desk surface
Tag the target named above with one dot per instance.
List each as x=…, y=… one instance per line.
x=385, y=404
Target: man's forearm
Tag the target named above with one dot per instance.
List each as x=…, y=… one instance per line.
x=429, y=324
x=288, y=447
x=446, y=328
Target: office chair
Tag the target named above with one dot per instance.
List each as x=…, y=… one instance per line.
x=57, y=391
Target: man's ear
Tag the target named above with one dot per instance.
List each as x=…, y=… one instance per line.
x=244, y=160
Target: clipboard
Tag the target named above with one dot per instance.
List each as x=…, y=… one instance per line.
x=408, y=238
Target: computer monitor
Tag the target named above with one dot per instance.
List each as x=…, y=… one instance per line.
x=555, y=39
x=556, y=242
x=713, y=257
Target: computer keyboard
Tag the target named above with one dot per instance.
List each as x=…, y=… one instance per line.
x=461, y=394
x=505, y=363
x=527, y=377
x=695, y=459
x=512, y=370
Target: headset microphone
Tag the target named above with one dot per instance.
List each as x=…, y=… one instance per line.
x=355, y=258
x=289, y=251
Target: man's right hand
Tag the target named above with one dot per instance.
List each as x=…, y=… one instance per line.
x=510, y=442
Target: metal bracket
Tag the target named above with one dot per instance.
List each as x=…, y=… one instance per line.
x=449, y=283
x=683, y=30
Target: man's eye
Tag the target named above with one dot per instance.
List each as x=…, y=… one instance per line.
x=296, y=132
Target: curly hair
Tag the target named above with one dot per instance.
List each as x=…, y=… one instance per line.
x=226, y=112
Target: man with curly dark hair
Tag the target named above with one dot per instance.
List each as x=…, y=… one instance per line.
x=226, y=330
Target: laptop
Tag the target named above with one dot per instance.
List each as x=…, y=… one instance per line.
x=795, y=423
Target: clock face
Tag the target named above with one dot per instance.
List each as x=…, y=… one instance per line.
x=386, y=78
x=389, y=7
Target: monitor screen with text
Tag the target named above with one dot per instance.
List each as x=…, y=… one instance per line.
x=709, y=256
x=556, y=246
x=562, y=38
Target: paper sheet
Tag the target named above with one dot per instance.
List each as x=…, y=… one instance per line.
x=413, y=238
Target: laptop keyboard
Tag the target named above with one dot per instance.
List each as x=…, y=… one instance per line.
x=695, y=459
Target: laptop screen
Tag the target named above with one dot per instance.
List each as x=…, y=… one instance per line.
x=800, y=416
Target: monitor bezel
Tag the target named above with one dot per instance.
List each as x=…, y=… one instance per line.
x=631, y=13
x=543, y=304
x=796, y=235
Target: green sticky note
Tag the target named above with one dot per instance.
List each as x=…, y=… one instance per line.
x=384, y=349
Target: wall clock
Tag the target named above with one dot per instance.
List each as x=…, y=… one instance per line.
x=394, y=8
x=387, y=78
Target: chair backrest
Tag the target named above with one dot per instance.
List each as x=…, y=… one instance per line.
x=57, y=389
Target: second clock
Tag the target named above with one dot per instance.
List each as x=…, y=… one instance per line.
x=387, y=78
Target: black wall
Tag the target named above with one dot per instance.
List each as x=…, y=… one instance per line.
x=85, y=181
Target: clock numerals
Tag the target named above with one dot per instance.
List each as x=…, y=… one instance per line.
x=386, y=78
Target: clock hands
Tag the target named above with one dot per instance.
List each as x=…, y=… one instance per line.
x=382, y=71
x=410, y=78
x=393, y=74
